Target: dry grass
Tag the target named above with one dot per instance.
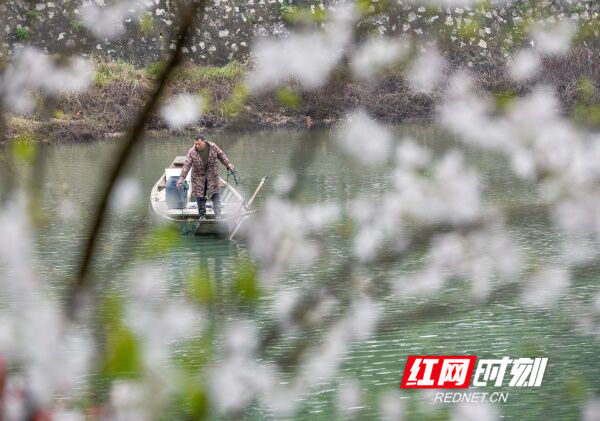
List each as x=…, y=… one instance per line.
x=119, y=91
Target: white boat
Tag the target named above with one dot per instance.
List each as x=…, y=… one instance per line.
x=234, y=209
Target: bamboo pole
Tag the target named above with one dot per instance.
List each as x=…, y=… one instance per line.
x=245, y=207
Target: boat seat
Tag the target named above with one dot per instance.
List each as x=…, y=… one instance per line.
x=194, y=205
x=162, y=183
x=178, y=161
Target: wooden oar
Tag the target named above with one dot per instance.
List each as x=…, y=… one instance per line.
x=246, y=206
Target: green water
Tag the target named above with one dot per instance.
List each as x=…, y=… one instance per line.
x=499, y=329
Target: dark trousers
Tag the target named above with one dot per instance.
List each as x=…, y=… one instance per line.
x=216, y=200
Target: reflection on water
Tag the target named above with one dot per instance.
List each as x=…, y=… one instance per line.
x=497, y=330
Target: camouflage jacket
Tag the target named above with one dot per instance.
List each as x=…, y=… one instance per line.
x=202, y=171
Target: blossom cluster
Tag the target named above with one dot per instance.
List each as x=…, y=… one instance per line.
x=435, y=207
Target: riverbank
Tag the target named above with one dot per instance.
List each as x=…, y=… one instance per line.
x=119, y=90
x=106, y=109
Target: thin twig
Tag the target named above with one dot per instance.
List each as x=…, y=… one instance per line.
x=82, y=275
x=7, y=161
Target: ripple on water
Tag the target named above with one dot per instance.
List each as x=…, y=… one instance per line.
x=497, y=330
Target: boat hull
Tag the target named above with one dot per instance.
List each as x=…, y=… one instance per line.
x=187, y=218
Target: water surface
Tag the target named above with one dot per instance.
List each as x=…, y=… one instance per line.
x=501, y=329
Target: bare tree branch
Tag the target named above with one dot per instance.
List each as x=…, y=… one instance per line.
x=188, y=15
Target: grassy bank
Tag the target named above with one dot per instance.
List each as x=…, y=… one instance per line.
x=119, y=91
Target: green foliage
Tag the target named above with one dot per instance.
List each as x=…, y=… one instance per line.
x=484, y=6
x=115, y=71
x=235, y=103
x=246, y=285
x=250, y=19
x=206, y=100
x=587, y=109
x=297, y=14
x=190, y=402
x=469, y=28
x=112, y=310
x=23, y=148
x=193, y=400
x=58, y=114
x=577, y=8
x=586, y=90
x=588, y=115
x=288, y=97
x=371, y=7
x=146, y=24
x=121, y=356
x=154, y=70
x=588, y=30
x=193, y=74
x=160, y=240
x=22, y=33
x=504, y=99
x=518, y=32
x=77, y=25
x=201, y=287
x=431, y=11
x=103, y=76
x=523, y=7
x=32, y=14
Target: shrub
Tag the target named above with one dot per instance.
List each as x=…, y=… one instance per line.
x=32, y=14
x=233, y=71
x=154, y=70
x=77, y=25
x=146, y=24
x=22, y=33
x=107, y=72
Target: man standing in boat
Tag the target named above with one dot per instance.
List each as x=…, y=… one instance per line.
x=202, y=159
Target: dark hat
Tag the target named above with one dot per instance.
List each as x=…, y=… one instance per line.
x=200, y=136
